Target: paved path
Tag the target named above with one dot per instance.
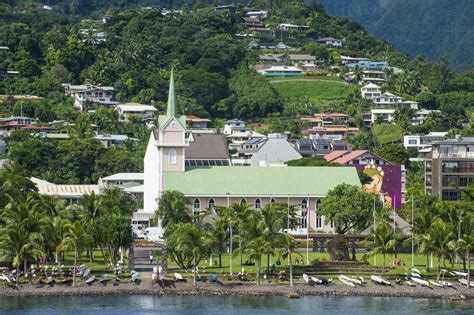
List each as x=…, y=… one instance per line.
x=141, y=258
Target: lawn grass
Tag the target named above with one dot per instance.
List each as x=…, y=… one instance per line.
x=387, y=133
x=309, y=78
x=397, y=271
x=312, y=90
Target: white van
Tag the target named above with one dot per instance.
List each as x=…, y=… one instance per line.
x=154, y=234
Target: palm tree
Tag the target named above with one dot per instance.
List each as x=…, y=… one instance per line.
x=255, y=249
x=289, y=246
x=20, y=236
x=219, y=236
x=467, y=244
x=358, y=74
x=172, y=210
x=73, y=239
x=195, y=240
x=437, y=240
x=381, y=241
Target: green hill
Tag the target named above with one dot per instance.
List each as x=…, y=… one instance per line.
x=429, y=27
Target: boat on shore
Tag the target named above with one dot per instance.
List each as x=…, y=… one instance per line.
x=436, y=283
x=379, y=280
x=344, y=279
x=421, y=282
x=90, y=280
x=464, y=281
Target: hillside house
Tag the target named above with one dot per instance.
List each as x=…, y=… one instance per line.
x=293, y=28
x=135, y=109
x=293, y=59
x=330, y=41
x=334, y=132
x=102, y=95
x=280, y=71
x=371, y=91
x=387, y=99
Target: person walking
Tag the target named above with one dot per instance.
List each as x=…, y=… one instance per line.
x=151, y=258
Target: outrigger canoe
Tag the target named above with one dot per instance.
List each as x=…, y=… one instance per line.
x=421, y=282
x=345, y=280
x=379, y=280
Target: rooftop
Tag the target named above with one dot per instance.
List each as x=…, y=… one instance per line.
x=125, y=176
x=47, y=188
x=135, y=107
x=259, y=181
x=207, y=146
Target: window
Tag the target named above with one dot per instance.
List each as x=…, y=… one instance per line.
x=304, y=213
x=196, y=206
x=412, y=141
x=273, y=200
x=243, y=201
x=319, y=221
x=172, y=156
x=258, y=204
x=211, y=203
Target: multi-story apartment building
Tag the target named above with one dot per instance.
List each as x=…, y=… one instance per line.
x=450, y=167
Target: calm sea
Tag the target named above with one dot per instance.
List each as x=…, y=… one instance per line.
x=230, y=305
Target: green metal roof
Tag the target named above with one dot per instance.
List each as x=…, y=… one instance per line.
x=259, y=181
x=163, y=119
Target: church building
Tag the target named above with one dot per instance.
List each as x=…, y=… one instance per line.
x=217, y=184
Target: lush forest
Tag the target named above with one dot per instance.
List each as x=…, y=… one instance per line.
x=431, y=28
x=213, y=79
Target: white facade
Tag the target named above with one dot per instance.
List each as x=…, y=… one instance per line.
x=388, y=115
x=371, y=91
x=387, y=99
x=139, y=110
x=233, y=124
x=87, y=92
x=422, y=115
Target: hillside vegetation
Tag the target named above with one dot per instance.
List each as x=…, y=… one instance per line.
x=431, y=28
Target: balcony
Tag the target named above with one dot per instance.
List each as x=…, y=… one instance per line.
x=459, y=155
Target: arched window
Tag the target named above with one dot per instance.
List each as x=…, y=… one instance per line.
x=196, y=206
x=172, y=156
x=243, y=201
x=258, y=204
x=319, y=219
x=273, y=200
x=304, y=213
x=211, y=203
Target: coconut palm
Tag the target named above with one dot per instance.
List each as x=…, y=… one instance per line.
x=194, y=240
x=255, y=249
x=219, y=236
x=437, y=240
x=358, y=74
x=381, y=241
x=289, y=247
x=21, y=237
x=74, y=236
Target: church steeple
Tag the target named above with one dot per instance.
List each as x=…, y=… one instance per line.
x=171, y=109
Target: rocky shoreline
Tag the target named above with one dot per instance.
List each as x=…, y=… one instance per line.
x=235, y=289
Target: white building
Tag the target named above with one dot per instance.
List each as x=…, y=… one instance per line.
x=331, y=41
x=138, y=110
x=281, y=71
x=258, y=14
x=422, y=142
x=387, y=99
x=371, y=91
x=410, y=104
x=93, y=93
x=388, y=115
x=422, y=115
x=293, y=27
x=275, y=152
x=233, y=124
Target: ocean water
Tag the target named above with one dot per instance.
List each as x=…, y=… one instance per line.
x=228, y=305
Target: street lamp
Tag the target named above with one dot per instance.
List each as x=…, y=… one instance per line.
x=230, y=228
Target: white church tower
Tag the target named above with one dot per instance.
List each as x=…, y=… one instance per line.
x=165, y=152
